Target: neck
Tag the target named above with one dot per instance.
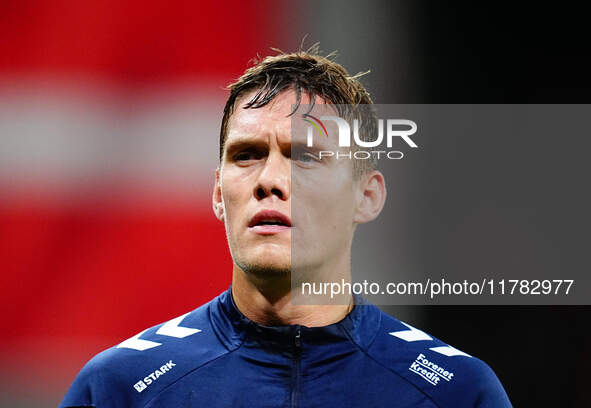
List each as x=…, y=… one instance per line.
x=267, y=301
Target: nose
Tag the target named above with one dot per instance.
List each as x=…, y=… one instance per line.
x=274, y=178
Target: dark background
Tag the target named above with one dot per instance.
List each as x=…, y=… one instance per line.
x=489, y=53
x=501, y=52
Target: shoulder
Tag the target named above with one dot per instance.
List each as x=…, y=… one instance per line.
x=132, y=372
x=449, y=376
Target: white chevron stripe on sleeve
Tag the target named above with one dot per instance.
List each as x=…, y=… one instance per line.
x=411, y=335
x=136, y=343
x=173, y=329
x=449, y=351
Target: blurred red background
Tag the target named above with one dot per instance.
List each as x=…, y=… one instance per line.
x=109, y=114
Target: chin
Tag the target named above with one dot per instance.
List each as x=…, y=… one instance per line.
x=266, y=266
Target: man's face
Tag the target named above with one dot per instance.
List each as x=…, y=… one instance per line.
x=275, y=193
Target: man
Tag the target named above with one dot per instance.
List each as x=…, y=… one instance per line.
x=254, y=345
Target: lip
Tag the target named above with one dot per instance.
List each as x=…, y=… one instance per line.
x=269, y=229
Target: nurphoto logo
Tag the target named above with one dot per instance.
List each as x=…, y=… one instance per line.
x=386, y=129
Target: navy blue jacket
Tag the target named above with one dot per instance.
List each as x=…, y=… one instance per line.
x=216, y=357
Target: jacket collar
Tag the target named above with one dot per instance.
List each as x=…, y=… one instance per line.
x=233, y=328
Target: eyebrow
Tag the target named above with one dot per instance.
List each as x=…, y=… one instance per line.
x=243, y=143
x=304, y=146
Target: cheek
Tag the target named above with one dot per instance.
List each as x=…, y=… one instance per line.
x=233, y=195
x=329, y=210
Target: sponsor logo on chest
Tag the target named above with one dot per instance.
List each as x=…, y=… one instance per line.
x=429, y=371
x=153, y=376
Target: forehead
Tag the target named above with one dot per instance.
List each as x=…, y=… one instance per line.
x=273, y=118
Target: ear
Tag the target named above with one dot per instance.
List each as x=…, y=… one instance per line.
x=370, y=197
x=217, y=200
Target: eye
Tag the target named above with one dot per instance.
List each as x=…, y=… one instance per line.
x=246, y=155
x=242, y=156
x=304, y=156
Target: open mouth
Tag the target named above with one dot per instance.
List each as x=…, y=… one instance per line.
x=269, y=221
x=272, y=223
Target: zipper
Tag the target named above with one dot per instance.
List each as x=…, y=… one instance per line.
x=295, y=376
